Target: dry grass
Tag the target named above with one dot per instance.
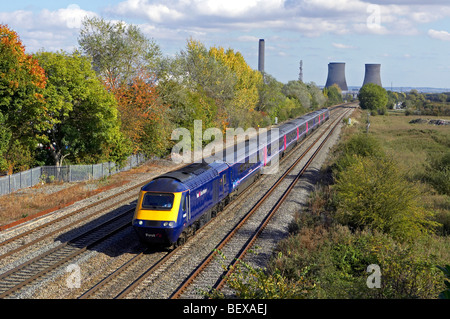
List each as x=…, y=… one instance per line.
x=33, y=202
x=23, y=206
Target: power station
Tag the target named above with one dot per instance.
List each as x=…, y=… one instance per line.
x=336, y=75
x=336, y=71
x=373, y=74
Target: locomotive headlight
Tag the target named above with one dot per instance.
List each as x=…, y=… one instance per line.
x=168, y=224
x=141, y=223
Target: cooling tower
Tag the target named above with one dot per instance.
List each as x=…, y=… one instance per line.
x=372, y=74
x=261, y=56
x=336, y=75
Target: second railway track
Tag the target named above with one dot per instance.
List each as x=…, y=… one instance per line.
x=167, y=275
x=141, y=273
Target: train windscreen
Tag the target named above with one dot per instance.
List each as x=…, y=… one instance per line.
x=157, y=201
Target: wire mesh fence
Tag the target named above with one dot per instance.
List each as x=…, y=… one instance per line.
x=70, y=173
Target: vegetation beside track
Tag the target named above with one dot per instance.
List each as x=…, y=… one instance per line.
x=381, y=201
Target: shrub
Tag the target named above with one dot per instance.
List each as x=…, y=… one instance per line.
x=438, y=168
x=249, y=282
x=446, y=293
x=371, y=193
x=337, y=261
x=362, y=145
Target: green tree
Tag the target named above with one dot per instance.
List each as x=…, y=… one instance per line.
x=84, y=116
x=299, y=91
x=22, y=82
x=333, y=94
x=119, y=51
x=196, y=86
x=318, y=99
x=5, y=136
x=373, y=97
x=271, y=96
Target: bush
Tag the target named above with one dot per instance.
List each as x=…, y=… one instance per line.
x=371, y=193
x=446, y=293
x=257, y=283
x=438, y=168
x=337, y=260
x=360, y=144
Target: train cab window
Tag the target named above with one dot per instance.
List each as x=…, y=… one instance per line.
x=183, y=203
x=157, y=201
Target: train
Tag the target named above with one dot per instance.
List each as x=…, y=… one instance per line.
x=173, y=206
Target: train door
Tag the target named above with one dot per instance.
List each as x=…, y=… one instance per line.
x=185, y=206
x=216, y=186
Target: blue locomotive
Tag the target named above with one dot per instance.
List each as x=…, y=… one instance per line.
x=173, y=206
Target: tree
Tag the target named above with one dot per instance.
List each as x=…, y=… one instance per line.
x=119, y=51
x=318, y=100
x=5, y=136
x=143, y=115
x=270, y=96
x=197, y=87
x=22, y=82
x=373, y=97
x=247, y=80
x=84, y=117
x=299, y=91
x=333, y=94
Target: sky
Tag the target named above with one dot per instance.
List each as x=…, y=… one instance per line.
x=409, y=38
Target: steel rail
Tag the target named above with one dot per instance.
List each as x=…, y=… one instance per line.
x=224, y=241
x=159, y=263
x=272, y=211
x=30, y=276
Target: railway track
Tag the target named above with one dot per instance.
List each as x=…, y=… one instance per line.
x=20, y=276
x=237, y=243
x=26, y=273
x=163, y=264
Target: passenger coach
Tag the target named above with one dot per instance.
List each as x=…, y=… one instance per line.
x=173, y=206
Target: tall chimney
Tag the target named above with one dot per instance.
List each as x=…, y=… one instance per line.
x=336, y=75
x=261, y=56
x=372, y=74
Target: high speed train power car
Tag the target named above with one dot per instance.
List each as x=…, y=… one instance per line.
x=175, y=205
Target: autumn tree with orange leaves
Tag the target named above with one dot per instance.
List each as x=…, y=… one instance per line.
x=142, y=114
x=24, y=110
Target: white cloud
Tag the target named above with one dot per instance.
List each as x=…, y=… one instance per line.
x=51, y=30
x=165, y=11
x=343, y=46
x=308, y=17
x=440, y=35
x=248, y=38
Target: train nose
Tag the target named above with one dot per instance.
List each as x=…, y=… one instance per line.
x=149, y=234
